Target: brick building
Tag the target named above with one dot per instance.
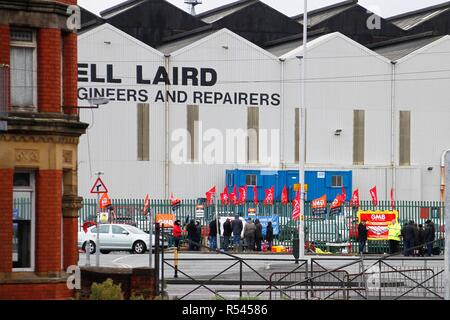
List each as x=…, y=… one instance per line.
x=39, y=134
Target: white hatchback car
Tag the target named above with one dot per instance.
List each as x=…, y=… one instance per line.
x=116, y=237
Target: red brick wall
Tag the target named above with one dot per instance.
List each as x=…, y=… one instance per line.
x=4, y=48
x=70, y=72
x=67, y=1
x=48, y=220
x=70, y=242
x=30, y=291
x=6, y=207
x=49, y=70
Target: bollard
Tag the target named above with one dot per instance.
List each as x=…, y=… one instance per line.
x=176, y=263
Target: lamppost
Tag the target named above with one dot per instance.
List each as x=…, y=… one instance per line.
x=302, y=140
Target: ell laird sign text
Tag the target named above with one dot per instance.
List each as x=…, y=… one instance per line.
x=97, y=81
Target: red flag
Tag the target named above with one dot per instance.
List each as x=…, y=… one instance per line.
x=209, y=195
x=255, y=195
x=233, y=197
x=104, y=201
x=146, y=204
x=344, y=194
x=337, y=202
x=392, y=199
x=224, y=197
x=243, y=195
x=354, y=202
x=268, y=201
x=296, y=207
x=174, y=202
x=285, y=196
x=373, y=193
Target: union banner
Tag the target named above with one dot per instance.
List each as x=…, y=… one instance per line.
x=377, y=223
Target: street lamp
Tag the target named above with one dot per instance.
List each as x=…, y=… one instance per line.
x=302, y=140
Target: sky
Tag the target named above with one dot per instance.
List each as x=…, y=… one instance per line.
x=384, y=8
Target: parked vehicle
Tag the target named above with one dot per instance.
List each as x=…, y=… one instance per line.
x=116, y=237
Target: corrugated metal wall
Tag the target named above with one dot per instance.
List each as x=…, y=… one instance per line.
x=342, y=76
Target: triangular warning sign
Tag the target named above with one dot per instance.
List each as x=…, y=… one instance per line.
x=99, y=187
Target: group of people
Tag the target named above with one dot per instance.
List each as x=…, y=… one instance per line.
x=234, y=232
x=417, y=239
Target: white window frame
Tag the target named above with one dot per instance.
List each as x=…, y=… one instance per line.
x=26, y=44
x=32, y=190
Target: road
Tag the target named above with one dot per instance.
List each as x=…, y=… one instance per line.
x=257, y=270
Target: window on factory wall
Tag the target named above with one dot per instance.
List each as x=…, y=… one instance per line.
x=358, y=136
x=337, y=181
x=253, y=134
x=143, y=132
x=297, y=135
x=250, y=180
x=23, y=69
x=23, y=221
x=405, y=138
x=192, y=128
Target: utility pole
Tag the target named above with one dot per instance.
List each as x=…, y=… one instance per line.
x=97, y=249
x=447, y=227
x=302, y=158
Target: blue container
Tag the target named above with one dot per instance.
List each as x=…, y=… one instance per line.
x=319, y=182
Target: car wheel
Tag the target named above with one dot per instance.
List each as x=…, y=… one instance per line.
x=92, y=247
x=105, y=251
x=139, y=247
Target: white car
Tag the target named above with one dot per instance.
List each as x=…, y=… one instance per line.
x=116, y=237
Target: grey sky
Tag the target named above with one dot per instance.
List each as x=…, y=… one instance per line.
x=385, y=8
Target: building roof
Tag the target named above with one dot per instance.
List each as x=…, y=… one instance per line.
x=317, y=16
x=176, y=43
x=251, y=19
x=282, y=46
x=89, y=20
x=225, y=10
x=151, y=20
x=399, y=48
x=112, y=11
x=412, y=19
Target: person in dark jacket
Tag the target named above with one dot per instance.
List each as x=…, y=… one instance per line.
x=409, y=238
x=237, y=226
x=198, y=236
x=362, y=235
x=430, y=236
x=213, y=233
x=258, y=235
x=421, y=240
x=227, y=231
x=269, y=235
x=416, y=240
x=191, y=234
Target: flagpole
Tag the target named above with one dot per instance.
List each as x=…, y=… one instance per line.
x=217, y=222
x=150, y=232
x=302, y=158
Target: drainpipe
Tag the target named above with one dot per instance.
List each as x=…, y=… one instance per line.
x=282, y=134
x=393, y=96
x=447, y=223
x=444, y=154
x=167, y=140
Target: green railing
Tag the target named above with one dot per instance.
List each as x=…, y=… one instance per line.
x=318, y=230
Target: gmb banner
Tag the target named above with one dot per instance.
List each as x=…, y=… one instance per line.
x=377, y=223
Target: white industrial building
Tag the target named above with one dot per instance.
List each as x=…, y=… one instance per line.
x=382, y=114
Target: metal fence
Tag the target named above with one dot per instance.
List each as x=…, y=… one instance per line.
x=327, y=232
